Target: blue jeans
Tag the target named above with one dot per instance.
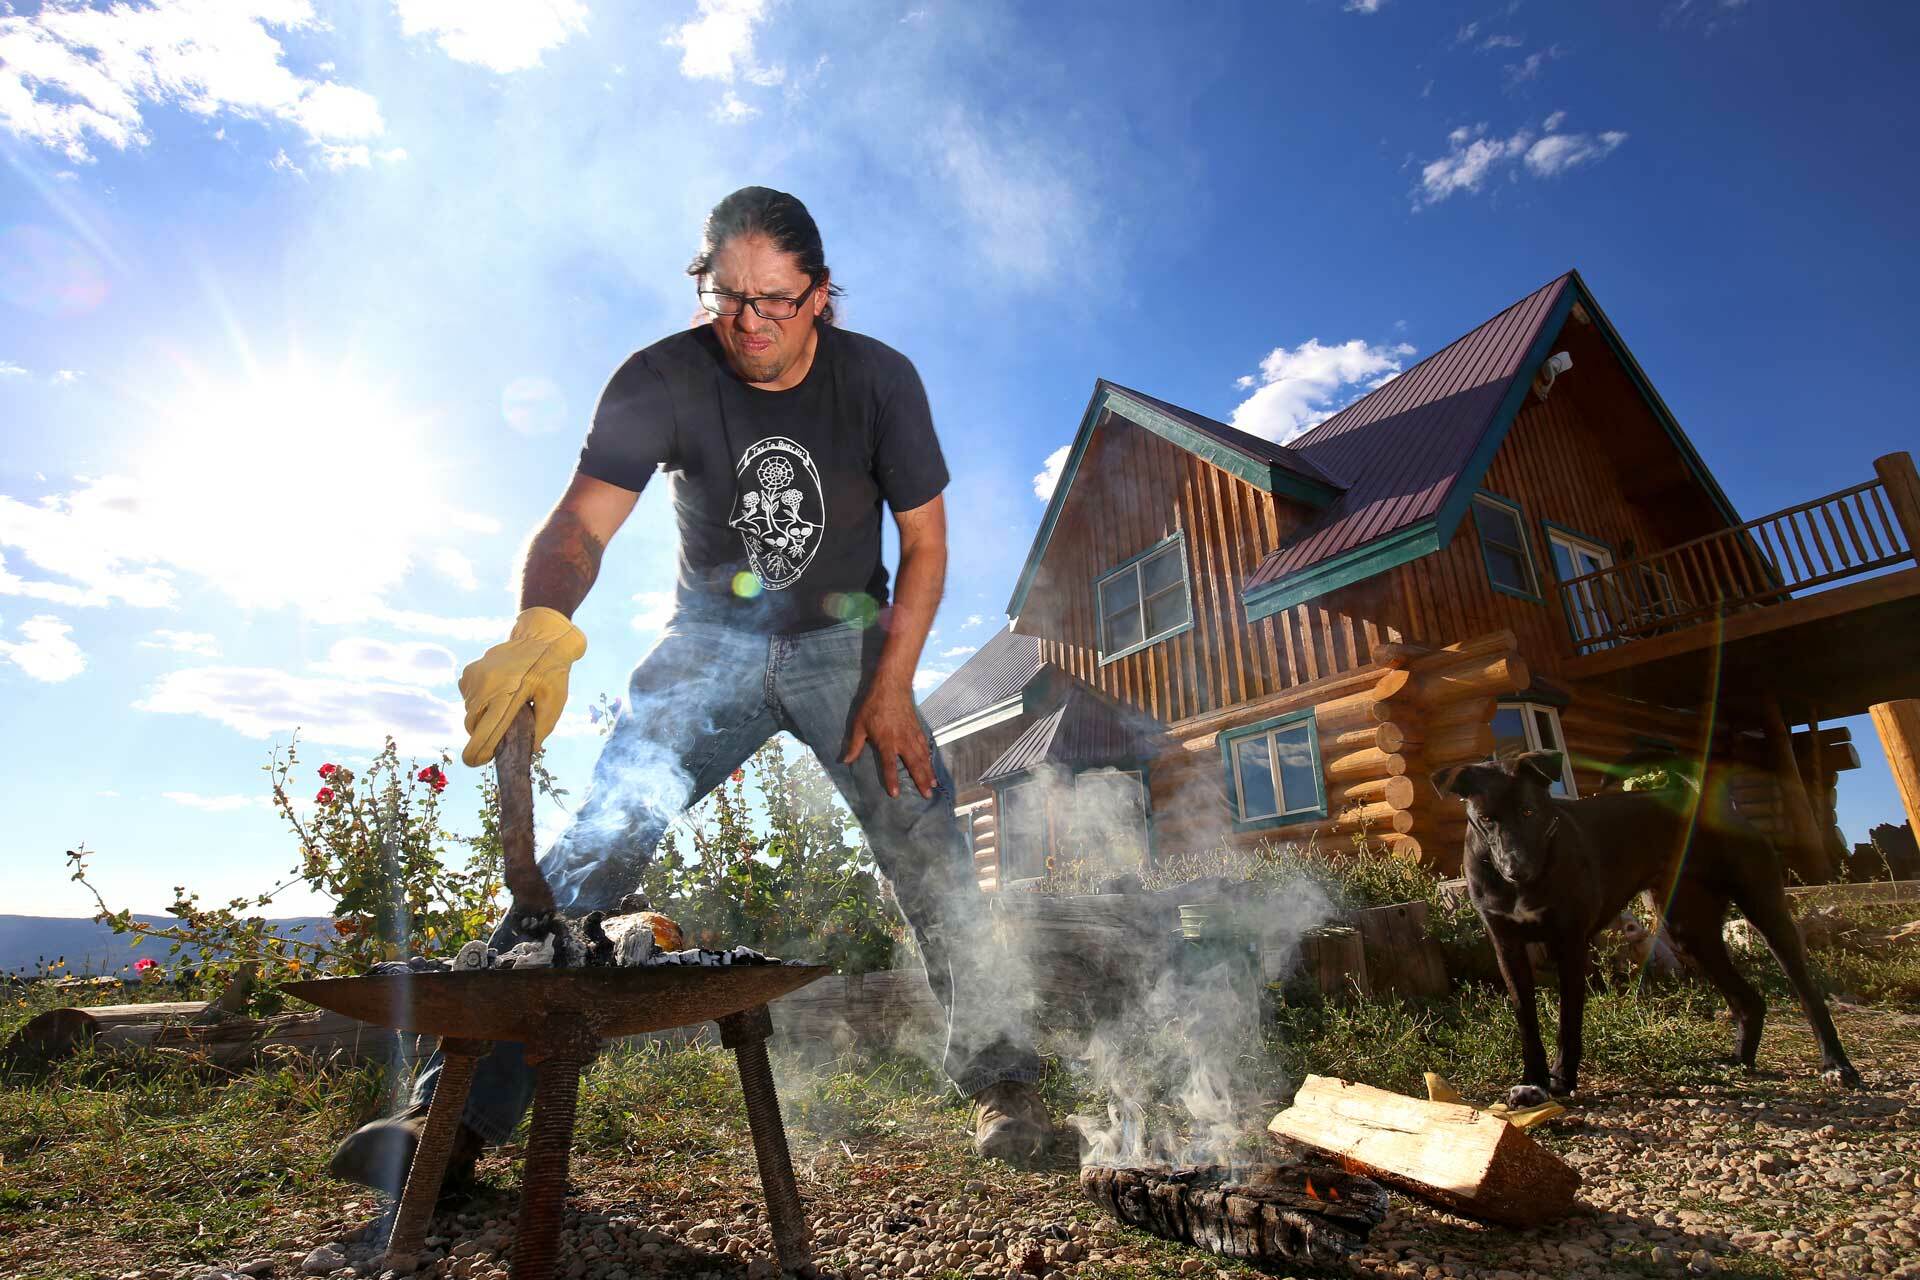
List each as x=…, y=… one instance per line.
x=698, y=705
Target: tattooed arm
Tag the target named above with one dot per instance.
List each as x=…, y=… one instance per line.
x=563, y=557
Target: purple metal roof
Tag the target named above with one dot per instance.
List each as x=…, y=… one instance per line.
x=1085, y=731
x=1000, y=670
x=1400, y=449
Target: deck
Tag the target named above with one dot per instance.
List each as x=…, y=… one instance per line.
x=1817, y=605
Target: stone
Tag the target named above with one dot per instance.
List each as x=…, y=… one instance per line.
x=264, y=1266
x=323, y=1260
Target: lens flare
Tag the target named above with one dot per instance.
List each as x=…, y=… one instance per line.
x=746, y=584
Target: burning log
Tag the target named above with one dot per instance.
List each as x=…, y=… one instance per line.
x=1294, y=1211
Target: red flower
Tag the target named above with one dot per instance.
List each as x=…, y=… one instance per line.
x=145, y=963
x=326, y=770
x=431, y=774
x=738, y=774
x=323, y=796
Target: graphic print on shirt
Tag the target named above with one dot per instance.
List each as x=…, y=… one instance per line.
x=780, y=510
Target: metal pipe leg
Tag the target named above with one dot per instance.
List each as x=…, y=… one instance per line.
x=543, y=1179
x=429, y=1168
x=746, y=1034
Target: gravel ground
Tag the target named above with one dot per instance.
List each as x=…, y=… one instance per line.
x=1765, y=1175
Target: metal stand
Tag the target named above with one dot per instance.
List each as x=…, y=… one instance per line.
x=560, y=1055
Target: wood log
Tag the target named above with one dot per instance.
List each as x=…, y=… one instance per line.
x=1490, y=642
x=1505, y=673
x=1368, y=762
x=59, y=1032
x=1401, y=959
x=235, y=1042
x=1458, y=1157
x=1365, y=705
x=1388, y=737
x=1468, y=742
x=1292, y=1211
x=1333, y=964
x=1406, y=846
x=1898, y=724
x=1379, y=816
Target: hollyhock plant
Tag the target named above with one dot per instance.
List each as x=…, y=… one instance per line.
x=326, y=770
x=323, y=796
x=143, y=964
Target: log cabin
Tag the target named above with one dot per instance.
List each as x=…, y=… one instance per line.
x=1510, y=546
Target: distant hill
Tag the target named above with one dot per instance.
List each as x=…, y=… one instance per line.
x=92, y=948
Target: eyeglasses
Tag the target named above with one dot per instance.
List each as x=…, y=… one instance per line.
x=721, y=303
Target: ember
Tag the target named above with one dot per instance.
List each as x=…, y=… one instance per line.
x=1268, y=1212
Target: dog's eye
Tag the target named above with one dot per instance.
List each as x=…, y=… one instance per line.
x=1526, y=812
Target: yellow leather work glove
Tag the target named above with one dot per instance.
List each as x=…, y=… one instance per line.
x=530, y=665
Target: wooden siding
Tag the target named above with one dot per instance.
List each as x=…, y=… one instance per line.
x=1135, y=489
x=967, y=758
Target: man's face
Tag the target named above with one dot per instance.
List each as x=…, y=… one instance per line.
x=766, y=353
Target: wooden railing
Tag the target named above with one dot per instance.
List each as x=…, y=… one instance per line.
x=1848, y=534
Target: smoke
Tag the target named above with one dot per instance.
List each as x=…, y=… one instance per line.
x=1183, y=1065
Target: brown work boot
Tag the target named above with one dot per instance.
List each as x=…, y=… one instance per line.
x=1010, y=1123
x=378, y=1154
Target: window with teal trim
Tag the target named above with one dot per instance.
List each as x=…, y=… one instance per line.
x=1144, y=600
x=1273, y=770
x=1503, y=545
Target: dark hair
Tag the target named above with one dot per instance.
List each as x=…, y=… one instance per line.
x=779, y=217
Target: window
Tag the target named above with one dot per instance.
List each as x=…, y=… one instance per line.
x=1024, y=845
x=1576, y=557
x=1110, y=818
x=1520, y=727
x=1273, y=771
x=1503, y=544
x=1144, y=600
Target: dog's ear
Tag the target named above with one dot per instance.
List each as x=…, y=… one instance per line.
x=1460, y=780
x=1547, y=766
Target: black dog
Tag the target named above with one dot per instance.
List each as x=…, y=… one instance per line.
x=1542, y=869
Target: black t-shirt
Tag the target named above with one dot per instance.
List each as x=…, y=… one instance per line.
x=777, y=493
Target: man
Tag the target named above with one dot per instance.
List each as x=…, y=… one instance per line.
x=781, y=435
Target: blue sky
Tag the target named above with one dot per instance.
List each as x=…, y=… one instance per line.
x=303, y=306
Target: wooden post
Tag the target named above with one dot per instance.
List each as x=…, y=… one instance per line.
x=1897, y=473
x=1806, y=852
x=1898, y=724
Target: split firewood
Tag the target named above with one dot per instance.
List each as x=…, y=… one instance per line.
x=1458, y=1157
x=1293, y=1211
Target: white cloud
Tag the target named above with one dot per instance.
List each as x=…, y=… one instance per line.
x=927, y=679
x=72, y=75
x=961, y=651
x=1472, y=157
x=216, y=804
x=189, y=505
x=260, y=702
x=1530, y=67
x=48, y=653
x=734, y=111
x=65, y=377
x=973, y=620
x=1501, y=42
x=1304, y=386
x=1043, y=484
x=455, y=568
x=719, y=41
x=8, y=369
x=1017, y=199
x=503, y=37
x=1466, y=33
x=1364, y=6
x=656, y=607
x=1562, y=151
x=363, y=658
x=201, y=644
x=471, y=630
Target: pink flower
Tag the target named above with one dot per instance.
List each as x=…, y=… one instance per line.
x=145, y=963
x=323, y=796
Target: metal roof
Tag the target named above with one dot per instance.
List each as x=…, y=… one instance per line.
x=1086, y=731
x=1402, y=449
x=1279, y=455
x=1000, y=670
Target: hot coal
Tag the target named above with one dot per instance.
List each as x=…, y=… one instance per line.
x=598, y=940
x=1296, y=1211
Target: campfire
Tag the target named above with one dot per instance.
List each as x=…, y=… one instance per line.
x=1292, y=1210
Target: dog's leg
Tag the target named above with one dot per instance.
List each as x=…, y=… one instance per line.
x=1695, y=919
x=1765, y=905
x=1511, y=951
x=1572, y=955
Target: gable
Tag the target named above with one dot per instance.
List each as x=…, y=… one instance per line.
x=1415, y=451
x=1269, y=467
